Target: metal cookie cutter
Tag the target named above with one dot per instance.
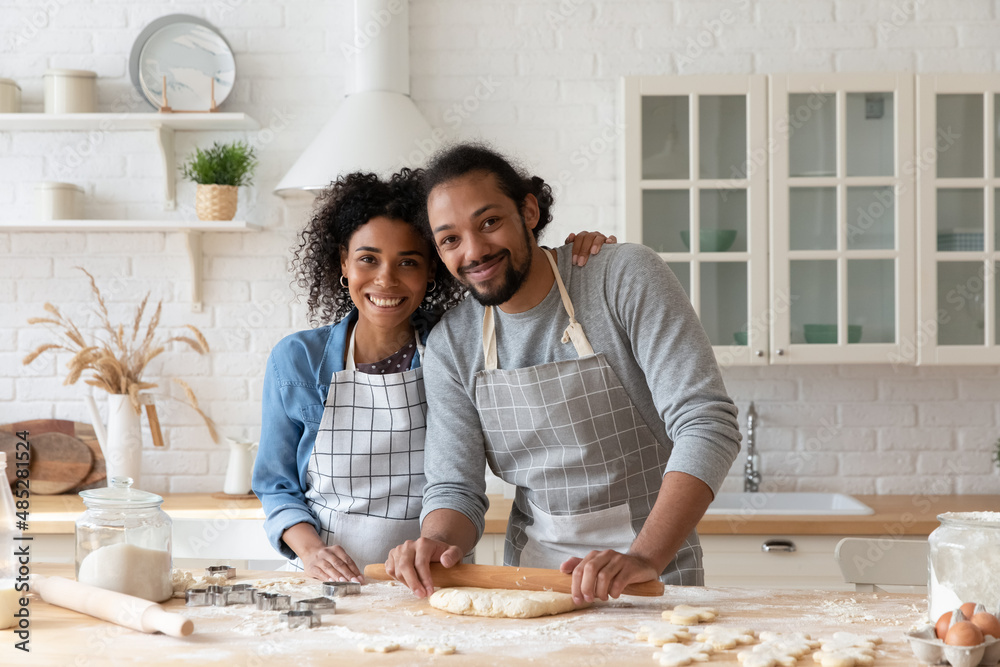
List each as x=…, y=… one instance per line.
x=336, y=589
x=217, y=595
x=224, y=570
x=318, y=606
x=301, y=619
x=198, y=597
x=240, y=594
x=273, y=602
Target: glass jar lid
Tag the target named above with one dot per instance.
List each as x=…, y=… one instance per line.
x=120, y=495
x=971, y=519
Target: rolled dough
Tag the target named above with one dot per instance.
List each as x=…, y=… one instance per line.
x=502, y=603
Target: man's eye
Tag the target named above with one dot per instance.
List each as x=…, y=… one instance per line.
x=446, y=240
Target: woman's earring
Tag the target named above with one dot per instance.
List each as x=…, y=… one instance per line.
x=431, y=286
x=343, y=281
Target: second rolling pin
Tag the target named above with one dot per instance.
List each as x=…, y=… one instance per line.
x=498, y=576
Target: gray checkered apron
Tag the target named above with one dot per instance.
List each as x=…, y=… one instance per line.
x=365, y=477
x=586, y=467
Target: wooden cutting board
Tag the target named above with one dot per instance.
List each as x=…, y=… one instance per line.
x=65, y=455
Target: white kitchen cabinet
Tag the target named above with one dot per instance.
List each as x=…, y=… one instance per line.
x=957, y=168
x=695, y=164
x=842, y=222
x=742, y=561
x=823, y=271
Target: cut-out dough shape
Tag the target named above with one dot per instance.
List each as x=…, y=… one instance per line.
x=723, y=637
x=850, y=640
x=796, y=643
x=378, y=647
x=439, y=649
x=502, y=603
x=675, y=655
x=682, y=614
x=658, y=635
x=845, y=657
x=767, y=655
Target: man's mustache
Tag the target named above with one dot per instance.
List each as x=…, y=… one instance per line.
x=485, y=260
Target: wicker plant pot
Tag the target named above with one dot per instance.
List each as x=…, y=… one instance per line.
x=215, y=202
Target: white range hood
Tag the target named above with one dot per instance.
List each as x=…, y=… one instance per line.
x=377, y=124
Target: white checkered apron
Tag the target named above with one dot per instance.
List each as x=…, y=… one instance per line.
x=586, y=466
x=365, y=477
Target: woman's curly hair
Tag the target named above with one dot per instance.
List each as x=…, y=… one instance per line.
x=350, y=202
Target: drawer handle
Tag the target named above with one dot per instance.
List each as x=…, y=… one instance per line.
x=778, y=545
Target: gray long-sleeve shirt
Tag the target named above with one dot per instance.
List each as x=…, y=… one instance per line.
x=635, y=312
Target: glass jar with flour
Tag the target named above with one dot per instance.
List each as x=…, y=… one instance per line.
x=964, y=561
x=123, y=541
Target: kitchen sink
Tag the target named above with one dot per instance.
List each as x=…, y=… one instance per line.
x=790, y=503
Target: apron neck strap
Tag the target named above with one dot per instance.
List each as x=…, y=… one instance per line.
x=349, y=364
x=574, y=332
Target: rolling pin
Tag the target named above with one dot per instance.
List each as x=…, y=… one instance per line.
x=498, y=576
x=118, y=608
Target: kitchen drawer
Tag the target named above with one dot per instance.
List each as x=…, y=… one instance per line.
x=738, y=560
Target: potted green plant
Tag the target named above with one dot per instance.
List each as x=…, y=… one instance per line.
x=219, y=171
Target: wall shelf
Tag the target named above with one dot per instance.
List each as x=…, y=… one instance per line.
x=192, y=230
x=164, y=125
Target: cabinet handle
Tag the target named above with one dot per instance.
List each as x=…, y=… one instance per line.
x=760, y=353
x=786, y=546
x=780, y=352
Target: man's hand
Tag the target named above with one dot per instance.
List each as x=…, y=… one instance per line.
x=331, y=564
x=410, y=563
x=601, y=574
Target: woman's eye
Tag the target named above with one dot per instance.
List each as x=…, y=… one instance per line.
x=489, y=222
x=367, y=259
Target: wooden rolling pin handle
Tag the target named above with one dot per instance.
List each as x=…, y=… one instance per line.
x=524, y=578
x=118, y=608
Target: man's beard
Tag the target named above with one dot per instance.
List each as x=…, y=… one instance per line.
x=512, y=280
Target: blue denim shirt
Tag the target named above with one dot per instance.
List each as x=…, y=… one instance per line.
x=296, y=383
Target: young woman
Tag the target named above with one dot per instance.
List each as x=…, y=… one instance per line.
x=340, y=465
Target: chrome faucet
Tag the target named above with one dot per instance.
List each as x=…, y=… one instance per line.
x=751, y=471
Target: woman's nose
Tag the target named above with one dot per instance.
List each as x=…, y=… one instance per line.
x=386, y=275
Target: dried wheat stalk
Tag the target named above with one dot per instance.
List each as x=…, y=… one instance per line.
x=114, y=360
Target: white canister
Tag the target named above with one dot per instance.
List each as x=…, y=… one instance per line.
x=70, y=91
x=10, y=96
x=58, y=201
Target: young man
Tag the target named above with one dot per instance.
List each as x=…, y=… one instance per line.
x=616, y=429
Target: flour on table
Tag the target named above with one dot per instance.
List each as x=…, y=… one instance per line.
x=502, y=603
x=663, y=633
x=378, y=647
x=850, y=640
x=675, y=655
x=723, y=637
x=682, y=614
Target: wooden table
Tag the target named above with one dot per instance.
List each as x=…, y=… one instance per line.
x=601, y=635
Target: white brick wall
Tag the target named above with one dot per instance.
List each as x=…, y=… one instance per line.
x=860, y=429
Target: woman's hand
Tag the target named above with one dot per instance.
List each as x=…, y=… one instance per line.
x=586, y=244
x=331, y=564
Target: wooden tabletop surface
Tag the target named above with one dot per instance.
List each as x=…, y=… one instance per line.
x=894, y=515
x=601, y=635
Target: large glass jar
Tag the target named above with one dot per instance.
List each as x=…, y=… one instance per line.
x=123, y=541
x=964, y=561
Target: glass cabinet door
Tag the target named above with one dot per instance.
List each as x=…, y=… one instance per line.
x=694, y=191
x=842, y=233
x=959, y=192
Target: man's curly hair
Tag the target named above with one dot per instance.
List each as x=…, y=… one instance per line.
x=350, y=202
